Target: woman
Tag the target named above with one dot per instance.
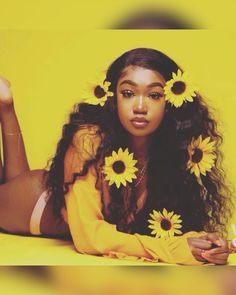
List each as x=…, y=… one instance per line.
x=131, y=152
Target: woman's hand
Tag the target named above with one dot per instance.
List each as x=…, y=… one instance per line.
x=232, y=246
x=209, y=248
x=219, y=254
x=5, y=92
x=198, y=246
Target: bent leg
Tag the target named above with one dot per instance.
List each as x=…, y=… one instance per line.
x=17, y=201
x=14, y=155
x=1, y=167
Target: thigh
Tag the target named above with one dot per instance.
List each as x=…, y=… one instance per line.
x=17, y=201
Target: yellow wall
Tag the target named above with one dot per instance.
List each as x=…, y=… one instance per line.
x=47, y=69
x=94, y=14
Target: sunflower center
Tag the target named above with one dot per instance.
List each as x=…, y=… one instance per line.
x=165, y=224
x=178, y=87
x=99, y=92
x=197, y=155
x=118, y=167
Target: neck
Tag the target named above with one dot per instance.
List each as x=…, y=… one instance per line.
x=139, y=146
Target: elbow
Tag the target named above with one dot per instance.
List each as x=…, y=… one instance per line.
x=93, y=240
x=88, y=248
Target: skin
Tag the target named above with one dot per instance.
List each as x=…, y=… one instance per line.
x=140, y=94
x=17, y=164
x=15, y=212
x=143, y=101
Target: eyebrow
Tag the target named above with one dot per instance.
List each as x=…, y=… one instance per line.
x=134, y=84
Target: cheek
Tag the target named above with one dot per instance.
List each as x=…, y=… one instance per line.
x=122, y=109
x=158, y=115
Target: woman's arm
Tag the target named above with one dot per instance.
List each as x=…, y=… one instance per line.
x=93, y=235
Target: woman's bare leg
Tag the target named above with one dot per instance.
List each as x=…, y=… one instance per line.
x=17, y=201
x=22, y=188
x=1, y=167
x=14, y=155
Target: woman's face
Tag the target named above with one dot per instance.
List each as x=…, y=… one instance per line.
x=140, y=100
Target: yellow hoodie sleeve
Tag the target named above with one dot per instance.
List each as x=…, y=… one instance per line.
x=93, y=235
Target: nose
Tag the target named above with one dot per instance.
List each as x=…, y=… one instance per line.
x=140, y=105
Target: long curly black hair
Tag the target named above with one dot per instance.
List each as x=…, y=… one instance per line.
x=206, y=206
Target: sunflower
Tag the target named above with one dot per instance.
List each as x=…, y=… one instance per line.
x=201, y=156
x=120, y=167
x=165, y=224
x=97, y=91
x=179, y=89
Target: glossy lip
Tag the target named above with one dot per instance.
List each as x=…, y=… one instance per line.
x=138, y=119
x=139, y=122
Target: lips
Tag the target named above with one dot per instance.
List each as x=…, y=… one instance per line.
x=139, y=122
x=137, y=119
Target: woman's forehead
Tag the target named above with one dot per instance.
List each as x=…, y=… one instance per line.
x=140, y=75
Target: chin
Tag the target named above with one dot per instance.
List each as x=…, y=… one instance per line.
x=139, y=133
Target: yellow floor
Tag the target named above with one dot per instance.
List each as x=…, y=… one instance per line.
x=20, y=250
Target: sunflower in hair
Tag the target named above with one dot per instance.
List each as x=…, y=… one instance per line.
x=201, y=156
x=179, y=89
x=97, y=91
x=120, y=168
x=165, y=224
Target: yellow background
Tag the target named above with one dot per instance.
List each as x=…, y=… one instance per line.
x=48, y=69
x=103, y=14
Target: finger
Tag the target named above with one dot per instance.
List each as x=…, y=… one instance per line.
x=197, y=253
x=203, y=237
x=217, y=259
x=219, y=262
x=200, y=258
x=202, y=244
x=214, y=238
x=232, y=249
x=207, y=254
x=217, y=250
x=224, y=247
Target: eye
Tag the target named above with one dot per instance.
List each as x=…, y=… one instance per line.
x=155, y=95
x=127, y=93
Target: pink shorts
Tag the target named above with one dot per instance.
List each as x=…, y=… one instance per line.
x=37, y=213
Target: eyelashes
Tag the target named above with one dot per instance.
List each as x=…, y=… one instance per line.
x=127, y=93
x=153, y=95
